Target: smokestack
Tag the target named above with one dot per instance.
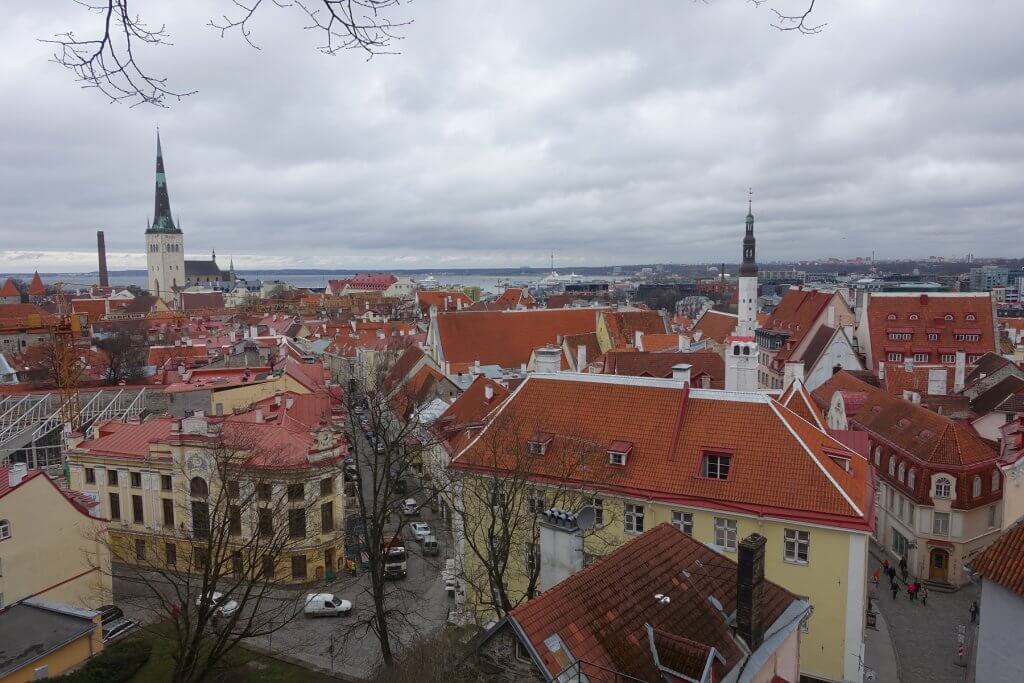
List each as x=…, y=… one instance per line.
x=750, y=590
x=101, y=249
x=681, y=371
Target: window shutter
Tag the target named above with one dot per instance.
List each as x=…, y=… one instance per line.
x=924, y=521
x=956, y=524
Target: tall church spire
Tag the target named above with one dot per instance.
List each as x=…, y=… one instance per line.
x=749, y=266
x=162, y=221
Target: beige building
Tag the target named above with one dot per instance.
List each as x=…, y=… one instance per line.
x=157, y=482
x=50, y=544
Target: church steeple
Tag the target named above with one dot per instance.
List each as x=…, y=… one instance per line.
x=749, y=266
x=162, y=221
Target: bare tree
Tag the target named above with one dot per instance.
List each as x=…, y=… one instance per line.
x=229, y=538
x=497, y=506
x=108, y=58
x=387, y=450
x=798, y=21
x=124, y=354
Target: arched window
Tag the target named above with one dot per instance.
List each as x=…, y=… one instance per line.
x=976, y=486
x=5, y=529
x=943, y=487
x=198, y=488
x=891, y=316
x=995, y=481
x=878, y=456
x=746, y=350
x=892, y=465
x=914, y=316
x=903, y=472
x=912, y=477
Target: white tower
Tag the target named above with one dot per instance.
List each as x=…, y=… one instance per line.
x=165, y=243
x=741, y=361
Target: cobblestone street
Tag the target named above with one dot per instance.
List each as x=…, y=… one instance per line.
x=925, y=637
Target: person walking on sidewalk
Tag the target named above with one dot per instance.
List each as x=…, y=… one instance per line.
x=924, y=596
x=974, y=612
x=896, y=590
x=911, y=588
x=903, y=568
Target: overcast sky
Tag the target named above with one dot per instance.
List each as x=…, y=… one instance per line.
x=508, y=129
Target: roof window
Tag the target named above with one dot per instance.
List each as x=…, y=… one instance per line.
x=716, y=465
x=539, y=442
x=618, y=451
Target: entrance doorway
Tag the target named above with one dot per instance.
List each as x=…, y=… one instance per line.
x=938, y=565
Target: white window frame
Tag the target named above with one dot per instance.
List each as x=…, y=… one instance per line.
x=633, y=518
x=912, y=478
x=892, y=465
x=976, y=486
x=921, y=357
x=948, y=358
x=878, y=456
x=940, y=529
x=995, y=480
x=902, y=472
x=795, y=541
x=5, y=529
x=536, y=500
x=683, y=521
x=616, y=458
x=718, y=468
x=895, y=357
x=598, y=505
x=943, y=487
x=725, y=534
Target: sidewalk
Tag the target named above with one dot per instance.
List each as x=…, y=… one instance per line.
x=880, y=662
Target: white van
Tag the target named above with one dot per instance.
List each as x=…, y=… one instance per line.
x=325, y=605
x=410, y=507
x=430, y=545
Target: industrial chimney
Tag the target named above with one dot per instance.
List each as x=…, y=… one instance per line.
x=101, y=249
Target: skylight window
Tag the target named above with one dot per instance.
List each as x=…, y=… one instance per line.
x=716, y=465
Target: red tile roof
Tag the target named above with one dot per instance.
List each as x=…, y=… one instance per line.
x=623, y=325
x=1003, y=561
x=469, y=410
x=897, y=379
x=196, y=300
x=36, y=287
x=9, y=289
x=781, y=462
x=444, y=300
x=128, y=440
x=513, y=298
x=506, y=338
x=94, y=308
x=796, y=314
x=714, y=325
x=402, y=367
x=159, y=355
x=797, y=399
x=924, y=314
x=930, y=437
x=601, y=613
x=644, y=364
x=78, y=500
x=661, y=342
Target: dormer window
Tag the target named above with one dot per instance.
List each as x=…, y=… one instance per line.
x=943, y=487
x=618, y=451
x=914, y=316
x=539, y=442
x=839, y=459
x=891, y=316
x=970, y=317
x=716, y=465
x=948, y=317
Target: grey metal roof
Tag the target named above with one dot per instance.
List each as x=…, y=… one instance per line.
x=28, y=633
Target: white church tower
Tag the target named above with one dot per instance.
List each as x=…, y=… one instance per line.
x=165, y=243
x=741, y=362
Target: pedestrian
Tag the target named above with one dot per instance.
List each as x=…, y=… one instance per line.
x=903, y=568
x=974, y=612
x=910, y=591
x=892, y=573
x=924, y=596
x=885, y=565
x=896, y=590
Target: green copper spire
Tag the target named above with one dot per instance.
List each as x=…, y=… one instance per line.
x=162, y=221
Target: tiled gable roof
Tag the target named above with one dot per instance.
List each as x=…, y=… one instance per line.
x=601, y=613
x=402, y=366
x=714, y=325
x=9, y=289
x=645, y=364
x=924, y=314
x=506, y=338
x=444, y=300
x=898, y=379
x=796, y=314
x=469, y=410
x=797, y=399
x=623, y=325
x=36, y=288
x=780, y=461
x=930, y=437
x=1003, y=561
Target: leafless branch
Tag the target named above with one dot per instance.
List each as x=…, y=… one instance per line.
x=795, y=22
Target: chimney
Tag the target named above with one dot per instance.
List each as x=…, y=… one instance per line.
x=547, y=359
x=638, y=340
x=881, y=371
x=289, y=402
x=101, y=251
x=912, y=396
x=959, y=372
x=791, y=373
x=681, y=371
x=937, y=378
x=830, y=315
x=488, y=392
x=16, y=473
x=684, y=343
x=749, y=590
x=561, y=544
x=581, y=357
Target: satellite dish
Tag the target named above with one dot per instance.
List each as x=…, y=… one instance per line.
x=586, y=517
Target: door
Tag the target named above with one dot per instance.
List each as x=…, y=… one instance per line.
x=938, y=567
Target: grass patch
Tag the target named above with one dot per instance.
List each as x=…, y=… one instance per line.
x=239, y=666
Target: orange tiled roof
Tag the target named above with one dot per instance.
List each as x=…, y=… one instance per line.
x=403, y=366
x=646, y=364
x=661, y=342
x=444, y=300
x=36, y=288
x=781, y=462
x=9, y=289
x=468, y=410
x=715, y=325
x=797, y=399
x=796, y=314
x=924, y=314
x=623, y=325
x=601, y=613
x=507, y=338
x=930, y=437
x=1003, y=561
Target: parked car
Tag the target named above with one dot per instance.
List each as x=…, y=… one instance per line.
x=114, y=623
x=420, y=530
x=430, y=546
x=325, y=605
x=410, y=507
x=223, y=605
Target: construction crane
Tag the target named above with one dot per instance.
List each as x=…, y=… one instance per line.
x=66, y=362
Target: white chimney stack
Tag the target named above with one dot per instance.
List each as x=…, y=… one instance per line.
x=881, y=371
x=959, y=372
x=581, y=357
x=684, y=343
x=547, y=359
x=488, y=392
x=638, y=340
x=681, y=371
x=16, y=473
x=792, y=372
x=908, y=364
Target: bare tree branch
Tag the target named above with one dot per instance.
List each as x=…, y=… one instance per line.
x=794, y=22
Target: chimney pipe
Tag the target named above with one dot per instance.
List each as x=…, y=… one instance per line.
x=684, y=343
x=16, y=473
x=547, y=359
x=581, y=357
x=750, y=590
x=681, y=371
x=959, y=372
x=638, y=342
x=488, y=392
x=101, y=250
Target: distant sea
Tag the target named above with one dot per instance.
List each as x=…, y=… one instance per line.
x=488, y=283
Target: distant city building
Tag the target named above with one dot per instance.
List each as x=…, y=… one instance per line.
x=985, y=278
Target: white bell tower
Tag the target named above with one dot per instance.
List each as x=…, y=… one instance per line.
x=741, y=360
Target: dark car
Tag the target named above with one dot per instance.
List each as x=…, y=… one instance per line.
x=114, y=623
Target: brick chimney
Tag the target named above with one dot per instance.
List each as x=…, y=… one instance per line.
x=101, y=251
x=750, y=590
